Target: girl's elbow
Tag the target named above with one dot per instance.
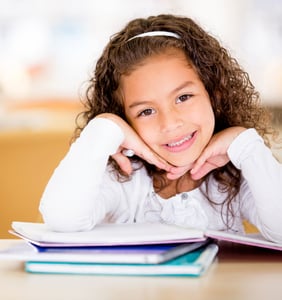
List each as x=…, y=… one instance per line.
x=62, y=222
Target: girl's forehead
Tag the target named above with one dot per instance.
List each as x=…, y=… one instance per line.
x=163, y=70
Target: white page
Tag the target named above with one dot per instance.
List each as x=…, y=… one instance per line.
x=255, y=239
x=104, y=234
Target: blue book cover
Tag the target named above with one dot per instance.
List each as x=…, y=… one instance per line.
x=139, y=254
x=194, y=263
x=146, y=254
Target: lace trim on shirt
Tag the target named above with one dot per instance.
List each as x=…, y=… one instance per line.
x=182, y=210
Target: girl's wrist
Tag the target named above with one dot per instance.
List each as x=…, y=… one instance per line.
x=104, y=132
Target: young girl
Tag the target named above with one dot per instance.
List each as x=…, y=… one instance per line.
x=173, y=132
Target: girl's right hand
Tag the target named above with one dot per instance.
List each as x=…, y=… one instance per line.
x=134, y=142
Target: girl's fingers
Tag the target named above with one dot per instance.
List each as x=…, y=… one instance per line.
x=152, y=158
x=199, y=163
x=215, y=154
x=177, y=172
x=203, y=170
x=147, y=154
x=207, y=162
x=132, y=141
x=123, y=162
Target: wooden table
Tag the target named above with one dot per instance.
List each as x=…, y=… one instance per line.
x=239, y=272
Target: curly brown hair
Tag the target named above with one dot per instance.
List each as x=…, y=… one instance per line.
x=234, y=100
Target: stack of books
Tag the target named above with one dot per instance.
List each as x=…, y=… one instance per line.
x=112, y=249
x=121, y=249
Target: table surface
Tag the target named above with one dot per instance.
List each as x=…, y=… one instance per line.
x=239, y=272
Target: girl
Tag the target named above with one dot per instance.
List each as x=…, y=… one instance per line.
x=167, y=94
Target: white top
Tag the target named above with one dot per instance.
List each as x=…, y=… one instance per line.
x=83, y=191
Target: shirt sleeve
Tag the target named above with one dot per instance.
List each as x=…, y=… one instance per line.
x=263, y=176
x=69, y=201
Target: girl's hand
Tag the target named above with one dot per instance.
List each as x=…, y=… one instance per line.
x=215, y=153
x=177, y=172
x=134, y=142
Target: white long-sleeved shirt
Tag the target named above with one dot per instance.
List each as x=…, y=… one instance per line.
x=83, y=191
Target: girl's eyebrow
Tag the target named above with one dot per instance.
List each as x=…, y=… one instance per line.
x=137, y=103
x=180, y=87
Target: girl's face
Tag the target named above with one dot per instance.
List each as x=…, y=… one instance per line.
x=169, y=107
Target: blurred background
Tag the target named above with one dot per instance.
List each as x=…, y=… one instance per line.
x=49, y=48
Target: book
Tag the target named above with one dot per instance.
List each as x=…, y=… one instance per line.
x=138, y=254
x=106, y=234
x=194, y=263
x=130, y=234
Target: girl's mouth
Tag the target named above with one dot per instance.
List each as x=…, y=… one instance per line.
x=181, y=144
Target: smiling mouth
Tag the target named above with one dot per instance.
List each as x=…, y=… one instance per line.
x=181, y=142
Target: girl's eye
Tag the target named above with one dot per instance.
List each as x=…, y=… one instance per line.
x=146, y=112
x=183, y=98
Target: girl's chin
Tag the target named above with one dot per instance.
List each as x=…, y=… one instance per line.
x=182, y=165
x=177, y=162
x=177, y=172
x=180, y=162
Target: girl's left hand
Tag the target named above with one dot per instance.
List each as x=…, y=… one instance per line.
x=215, y=153
x=212, y=157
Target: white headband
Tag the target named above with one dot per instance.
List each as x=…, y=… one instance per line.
x=156, y=33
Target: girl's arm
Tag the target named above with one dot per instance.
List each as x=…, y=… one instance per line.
x=261, y=171
x=263, y=174
x=70, y=202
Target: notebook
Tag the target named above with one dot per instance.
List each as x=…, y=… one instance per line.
x=194, y=263
x=106, y=234
x=130, y=234
x=138, y=254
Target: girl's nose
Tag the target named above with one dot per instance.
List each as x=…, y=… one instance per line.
x=170, y=121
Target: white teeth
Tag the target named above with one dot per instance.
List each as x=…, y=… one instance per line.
x=180, y=142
